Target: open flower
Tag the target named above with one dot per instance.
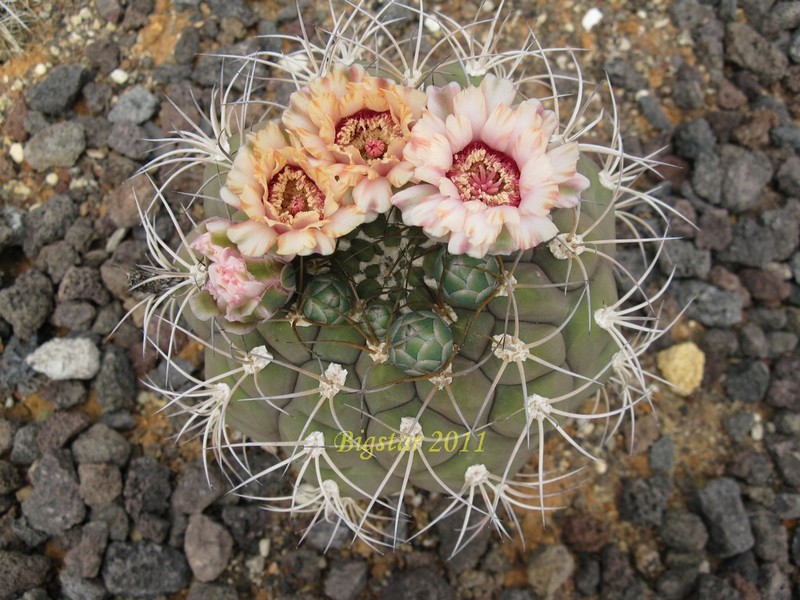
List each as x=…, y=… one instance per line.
x=292, y=207
x=239, y=289
x=488, y=176
x=360, y=124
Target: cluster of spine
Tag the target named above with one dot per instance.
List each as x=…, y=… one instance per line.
x=391, y=349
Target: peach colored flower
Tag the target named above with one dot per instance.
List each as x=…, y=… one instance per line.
x=486, y=172
x=361, y=124
x=292, y=207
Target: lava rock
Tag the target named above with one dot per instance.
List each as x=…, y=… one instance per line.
x=59, y=429
x=211, y=591
x=100, y=484
x=772, y=539
x=130, y=140
x=413, y=584
x=346, y=579
x=710, y=305
x=683, y=259
x=187, y=46
x=785, y=451
x=747, y=48
x=721, y=504
x=10, y=480
x=55, y=504
x=147, y=487
x=56, y=259
x=144, y=569
x=195, y=491
x=74, y=316
x=466, y=558
x=116, y=382
x=25, y=450
x=694, y=138
x=58, y=91
x=683, y=531
x=136, y=105
x=85, y=558
x=644, y=501
x=549, y=567
x=208, y=547
x=101, y=444
x=745, y=173
x=27, y=304
x=707, y=177
x=83, y=283
x=747, y=382
x=58, y=145
x=22, y=572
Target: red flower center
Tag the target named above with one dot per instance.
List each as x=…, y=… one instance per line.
x=483, y=174
x=369, y=132
x=292, y=191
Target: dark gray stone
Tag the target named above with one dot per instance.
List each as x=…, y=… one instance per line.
x=25, y=449
x=6, y=435
x=144, y=569
x=115, y=384
x=115, y=517
x=785, y=451
x=468, y=556
x=772, y=539
x=211, y=591
x=56, y=259
x=707, y=177
x=788, y=176
x=136, y=105
x=721, y=503
x=414, y=584
x=711, y=587
x=187, y=46
x=622, y=74
x=738, y=425
x=677, y=583
x=10, y=481
x=753, y=341
x=773, y=583
x=29, y=536
x=55, y=504
x=103, y=55
x=644, y=501
x=83, y=283
x=694, y=138
x=58, y=91
x=233, y=9
x=710, y=305
x=100, y=484
x=48, y=223
x=58, y=145
x=84, y=559
x=587, y=576
x=194, y=491
x=747, y=382
x=787, y=136
x=750, y=466
x=684, y=259
x=101, y=444
x=147, y=487
x=747, y=48
x=651, y=109
x=346, y=579
x=97, y=96
x=26, y=305
x=683, y=531
x=661, y=455
x=22, y=572
x=246, y=522
x=745, y=173
x=74, y=316
x=73, y=586
x=130, y=140
x=59, y=429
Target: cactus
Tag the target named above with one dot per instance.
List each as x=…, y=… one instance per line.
x=408, y=274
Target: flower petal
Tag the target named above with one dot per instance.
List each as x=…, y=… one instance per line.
x=253, y=238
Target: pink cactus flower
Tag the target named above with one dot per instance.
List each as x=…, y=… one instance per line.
x=359, y=124
x=487, y=174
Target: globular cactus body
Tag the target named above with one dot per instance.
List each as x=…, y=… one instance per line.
x=401, y=290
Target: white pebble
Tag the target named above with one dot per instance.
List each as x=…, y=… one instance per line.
x=66, y=358
x=592, y=17
x=51, y=179
x=17, y=153
x=40, y=69
x=119, y=76
x=432, y=25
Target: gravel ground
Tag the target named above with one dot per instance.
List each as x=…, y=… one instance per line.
x=96, y=499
